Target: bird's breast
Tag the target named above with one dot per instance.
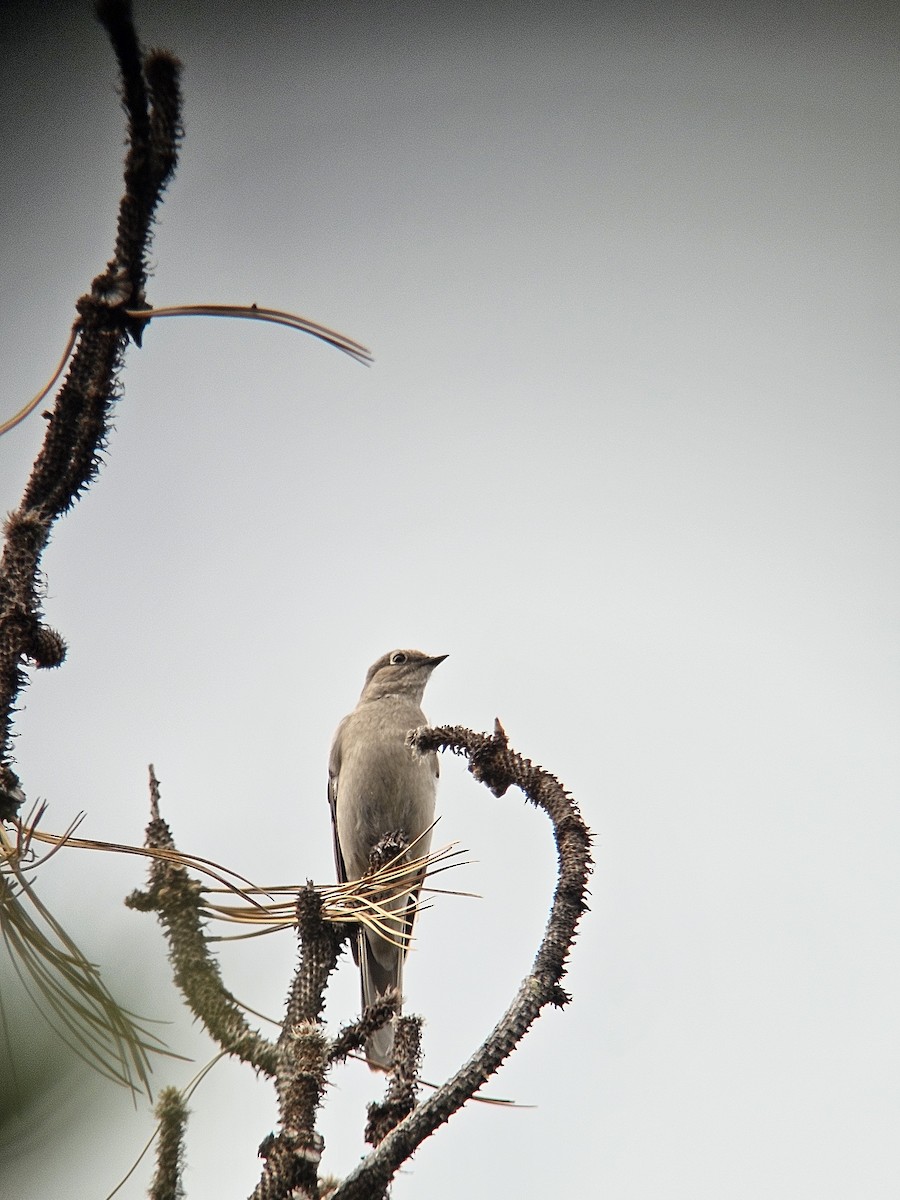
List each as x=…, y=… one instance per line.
x=382, y=786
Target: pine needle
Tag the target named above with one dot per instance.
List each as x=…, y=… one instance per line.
x=28, y=409
x=67, y=989
x=367, y=901
x=249, y=312
x=252, y=312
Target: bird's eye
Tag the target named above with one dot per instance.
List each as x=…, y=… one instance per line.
x=399, y=657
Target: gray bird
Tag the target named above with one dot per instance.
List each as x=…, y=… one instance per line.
x=377, y=786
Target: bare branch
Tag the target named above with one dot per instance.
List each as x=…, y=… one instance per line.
x=176, y=898
x=78, y=426
x=292, y=1155
x=172, y=1115
x=374, y=1016
x=404, y=1082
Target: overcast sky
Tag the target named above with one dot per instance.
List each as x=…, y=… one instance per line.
x=628, y=453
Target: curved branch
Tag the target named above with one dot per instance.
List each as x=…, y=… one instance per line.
x=493, y=763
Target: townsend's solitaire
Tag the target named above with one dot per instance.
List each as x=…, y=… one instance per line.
x=378, y=786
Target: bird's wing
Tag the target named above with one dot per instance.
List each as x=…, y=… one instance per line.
x=334, y=770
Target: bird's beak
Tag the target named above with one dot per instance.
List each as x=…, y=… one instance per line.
x=438, y=658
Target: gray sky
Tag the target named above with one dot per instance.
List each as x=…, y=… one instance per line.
x=628, y=453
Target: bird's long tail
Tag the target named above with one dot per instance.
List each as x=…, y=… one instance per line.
x=381, y=967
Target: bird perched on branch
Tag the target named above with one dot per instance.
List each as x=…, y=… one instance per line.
x=378, y=787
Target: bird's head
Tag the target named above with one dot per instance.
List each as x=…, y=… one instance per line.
x=400, y=673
